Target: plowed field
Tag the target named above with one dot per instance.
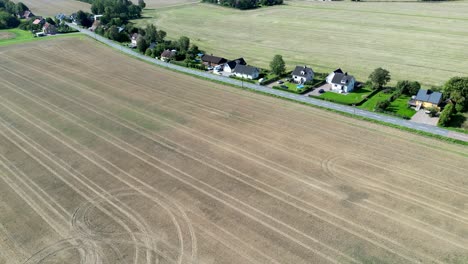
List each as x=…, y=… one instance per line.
x=106, y=159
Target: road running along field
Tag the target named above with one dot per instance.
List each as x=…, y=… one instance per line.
x=418, y=41
x=137, y=164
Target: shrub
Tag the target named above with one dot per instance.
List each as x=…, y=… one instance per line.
x=382, y=106
x=446, y=115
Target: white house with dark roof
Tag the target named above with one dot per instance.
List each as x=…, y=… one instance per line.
x=341, y=82
x=302, y=74
x=332, y=74
x=246, y=72
x=231, y=65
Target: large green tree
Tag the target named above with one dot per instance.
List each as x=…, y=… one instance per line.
x=379, y=77
x=446, y=115
x=408, y=87
x=277, y=65
x=8, y=20
x=457, y=90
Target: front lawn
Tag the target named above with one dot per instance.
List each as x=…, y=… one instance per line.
x=349, y=99
x=372, y=102
x=400, y=107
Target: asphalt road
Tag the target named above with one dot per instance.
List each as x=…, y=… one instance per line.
x=300, y=98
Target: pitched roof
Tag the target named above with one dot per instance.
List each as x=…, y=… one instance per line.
x=27, y=14
x=232, y=64
x=245, y=69
x=168, y=53
x=429, y=96
x=37, y=21
x=302, y=71
x=152, y=45
x=338, y=70
x=135, y=36
x=213, y=59
x=342, y=78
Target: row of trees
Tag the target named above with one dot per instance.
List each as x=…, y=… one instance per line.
x=245, y=4
x=115, y=9
x=9, y=13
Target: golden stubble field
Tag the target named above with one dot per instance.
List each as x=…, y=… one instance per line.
x=106, y=159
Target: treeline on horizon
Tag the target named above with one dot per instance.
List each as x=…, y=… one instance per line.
x=244, y=4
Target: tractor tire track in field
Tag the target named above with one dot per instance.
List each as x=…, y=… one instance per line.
x=396, y=196
x=434, y=201
x=210, y=109
x=89, y=131
x=134, y=242
x=445, y=185
x=188, y=178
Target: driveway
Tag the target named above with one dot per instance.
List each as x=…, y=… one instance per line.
x=422, y=118
x=315, y=92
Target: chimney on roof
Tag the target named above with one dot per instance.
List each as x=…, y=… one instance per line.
x=346, y=74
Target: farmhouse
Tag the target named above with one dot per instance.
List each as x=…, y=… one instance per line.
x=49, y=29
x=168, y=54
x=246, y=72
x=213, y=61
x=341, y=82
x=426, y=99
x=302, y=74
x=230, y=65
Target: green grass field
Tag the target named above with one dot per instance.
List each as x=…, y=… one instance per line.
x=15, y=36
x=400, y=107
x=414, y=40
x=372, y=102
x=351, y=98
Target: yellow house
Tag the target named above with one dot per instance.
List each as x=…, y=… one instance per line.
x=426, y=99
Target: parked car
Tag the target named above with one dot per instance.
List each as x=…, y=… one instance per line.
x=321, y=91
x=280, y=82
x=284, y=87
x=210, y=68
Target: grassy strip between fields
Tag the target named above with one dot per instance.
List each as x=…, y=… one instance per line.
x=24, y=36
x=422, y=133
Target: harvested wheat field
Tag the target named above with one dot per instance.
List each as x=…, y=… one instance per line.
x=106, y=159
x=53, y=7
